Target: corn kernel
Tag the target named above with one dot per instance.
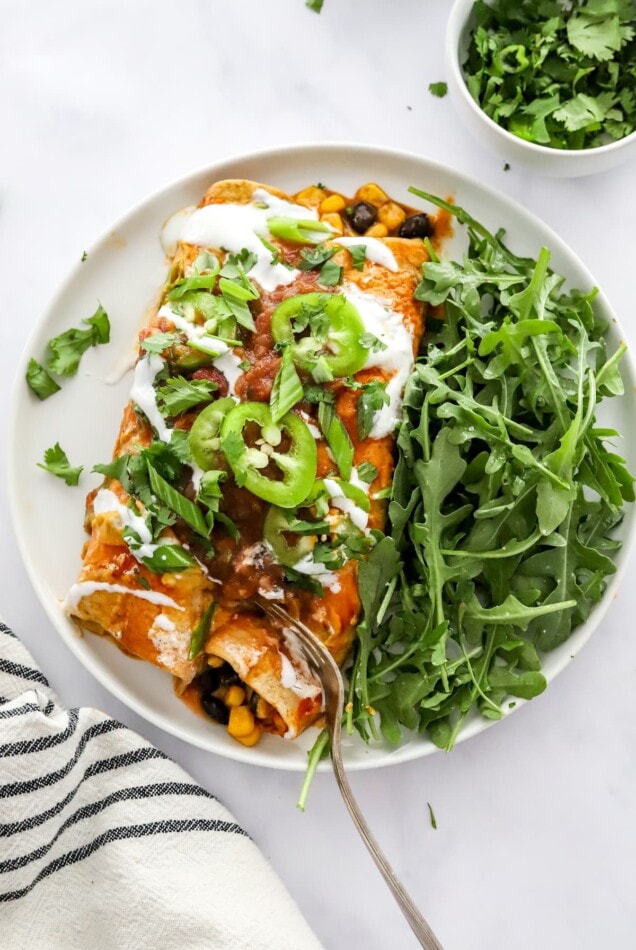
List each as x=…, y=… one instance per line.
x=332, y=203
x=251, y=738
x=377, y=230
x=235, y=696
x=335, y=221
x=215, y=662
x=241, y=722
x=311, y=197
x=372, y=193
x=391, y=215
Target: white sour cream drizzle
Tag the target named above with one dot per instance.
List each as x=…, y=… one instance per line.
x=397, y=358
x=375, y=250
x=338, y=499
x=86, y=588
x=164, y=623
x=107, y=501
x=144, y=395
x=234, y=227
x=291, y=680
x=308, y=566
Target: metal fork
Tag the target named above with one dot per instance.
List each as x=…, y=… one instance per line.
x=326, y=669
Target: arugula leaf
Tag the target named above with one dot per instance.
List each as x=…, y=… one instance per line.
x=504, y=498
x=68, y=348
x=39, y=380
x=57, y=463
x=180, y=394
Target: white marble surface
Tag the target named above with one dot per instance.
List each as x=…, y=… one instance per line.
x=102, y=103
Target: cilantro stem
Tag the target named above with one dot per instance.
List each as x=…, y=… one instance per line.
x=316, y=753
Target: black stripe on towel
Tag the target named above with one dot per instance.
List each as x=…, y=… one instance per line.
x=120, y=834
x=96, y=768
x=5, y=629
x=27, y=746
x=27, y=708
x=43, y=781
x=156, y=790
x=24, y=672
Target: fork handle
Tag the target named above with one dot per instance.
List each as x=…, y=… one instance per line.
x=420, y=928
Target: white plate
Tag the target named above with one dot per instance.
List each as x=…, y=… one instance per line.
x=124, y=270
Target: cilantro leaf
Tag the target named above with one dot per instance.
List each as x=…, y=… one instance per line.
x=371, y=342
x=315, y=5
x=330, y=274
x=56, y=462
x=438, y=89
x=180, y=394
x=358, y=255
x=39, y=380
x=371, y=400
x=159, y=342
x=68, y=348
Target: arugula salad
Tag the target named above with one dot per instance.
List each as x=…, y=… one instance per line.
x=504, y=499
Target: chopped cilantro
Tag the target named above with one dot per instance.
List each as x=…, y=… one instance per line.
x=159, y=342
x=316, y=6
x=56, y=462
x=315, y=257
x=438, y=89
x=431, y=815
x=180, y=394
x=561, y=75
x=370, y=401
x=68, y=348
x=84, y=256
x=358, y=255
x=371, y=342
x=39, y=380
x=330, y=274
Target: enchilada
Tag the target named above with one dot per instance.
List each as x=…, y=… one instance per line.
x=254, y=455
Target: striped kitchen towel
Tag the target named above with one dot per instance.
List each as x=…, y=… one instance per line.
x=105, y=843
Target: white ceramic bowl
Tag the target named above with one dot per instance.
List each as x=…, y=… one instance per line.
x=124, y=269
x=560, y=163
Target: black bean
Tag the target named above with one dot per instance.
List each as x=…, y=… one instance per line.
x=362, y=216
x=229, y=677
x=416, y=226
x=210, y=680
x=215, y=708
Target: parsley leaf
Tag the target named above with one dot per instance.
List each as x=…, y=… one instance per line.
x=57, y=463
x=39, y=380
x=68, y=348
x=180, y=394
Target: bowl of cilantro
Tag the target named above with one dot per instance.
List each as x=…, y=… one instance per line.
x=547, y=84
